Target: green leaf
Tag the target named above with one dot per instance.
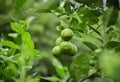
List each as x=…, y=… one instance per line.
x=88, y=16
x=83, y=11
x=61, y=70
x=80, y=66
x=12, y=67
x=91, y=17
x=112, y=44
x=17, y=28
x=26, y=37
x=110, y=16
x=20, y=3
x=78, y=24
x=91, y=3
x=97, y=79
x=52, y=79
x=48, y=5
x=1, y=80
x=30, y=79
x=90, y=45
x=25, y=24
x=95, y=30
x=36, y=57
x=10, y=44
x=7, y=73
x=67, y=7
x=28, y=43
x=11, y=51
x=109, y=62
x=91, y=39
x=118, y=21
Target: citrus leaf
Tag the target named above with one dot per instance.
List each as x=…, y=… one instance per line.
x=10, y=44
x=61, y=70
x=17, y=28
x=80, y=66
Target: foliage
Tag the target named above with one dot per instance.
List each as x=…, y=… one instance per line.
x=36, y=24
x=17, y=59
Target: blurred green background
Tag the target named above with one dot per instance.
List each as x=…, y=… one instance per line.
x=96, y=33
x=42, y=28
x=45, y=27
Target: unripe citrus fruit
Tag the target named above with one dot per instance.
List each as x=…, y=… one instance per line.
x=56, y=50
x=59, y=41
x=74, y=50
x=67, y=34
x=66, y=47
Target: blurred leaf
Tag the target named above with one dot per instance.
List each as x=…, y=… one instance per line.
x=30, y=79
x=118, y=21
x=20, y=3
x=48, y=20
x=25, y=24
x=95, y=30
x=91, y=3
x=7, y=73
x=112, y=44
x=10, y=59
x=90, y=45
x=18, y=39
x=60, y=9
x=52, y=79
x=2, y=58
x=109, y=62
x=11, y=51
x=17, y=28
x=36, y=51
x=83, y=11
x=91, y=16
x=48, y=5
x=88, y=16
x=26, y=37
x=67, y=7
x=111, y=3
x=78, y=24
x=80, y=66
x=91, y=40
x=1, y=80
x=97, y=79
x=110, y=16
x=36, y=57
x=10, y=44
x=28, y=43
x=61, y=70
x=6, y=6
x=13, y=68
